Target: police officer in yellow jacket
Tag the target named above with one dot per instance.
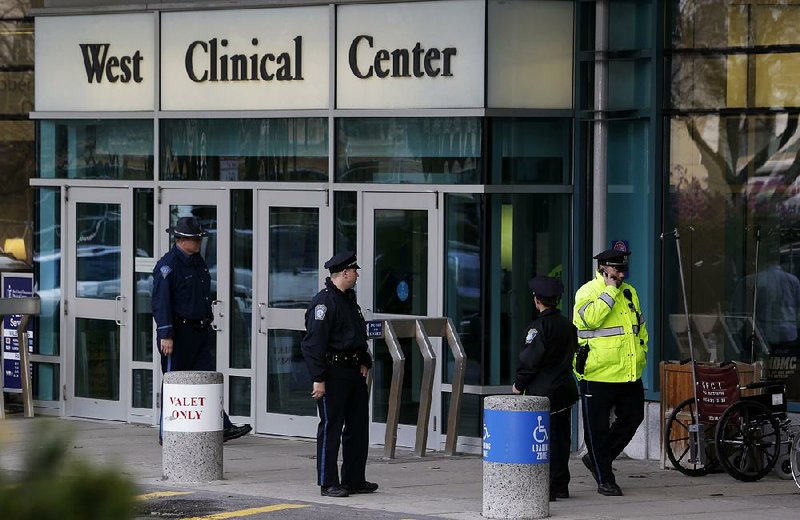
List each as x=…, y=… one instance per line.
x=612, y=349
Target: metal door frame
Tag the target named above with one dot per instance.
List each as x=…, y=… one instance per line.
x=220, y=198
x=74, y=307
x=370, y=201
x=265, y=317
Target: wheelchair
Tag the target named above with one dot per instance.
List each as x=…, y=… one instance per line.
x=744, y=435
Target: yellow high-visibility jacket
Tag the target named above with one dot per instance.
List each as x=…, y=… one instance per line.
x=613, y=326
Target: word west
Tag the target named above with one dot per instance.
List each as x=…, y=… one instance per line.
x=187, y=402
x=99, y=64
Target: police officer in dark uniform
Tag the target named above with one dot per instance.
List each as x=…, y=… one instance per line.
x=546, y=370
x=335, y=351
x=182, y=308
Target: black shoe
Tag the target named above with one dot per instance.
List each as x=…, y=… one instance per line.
x=333, y=491
x=364, y=487
x=609, y=489
x=561, y=493
x=552, y=497
x=234, y=432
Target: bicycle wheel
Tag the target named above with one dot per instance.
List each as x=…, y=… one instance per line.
x=685, y=455
x=748, y=441
x=794, y=457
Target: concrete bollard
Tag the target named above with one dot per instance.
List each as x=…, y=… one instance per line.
x=192, y=440
x=516, y=457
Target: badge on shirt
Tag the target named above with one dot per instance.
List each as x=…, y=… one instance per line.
x=531, y=335
x=165, y=270
x=319, y=312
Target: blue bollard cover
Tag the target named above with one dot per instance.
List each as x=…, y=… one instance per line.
x=516, y=437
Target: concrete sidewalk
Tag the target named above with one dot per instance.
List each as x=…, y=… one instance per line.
x=448, y=487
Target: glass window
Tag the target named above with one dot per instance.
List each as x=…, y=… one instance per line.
x=287, y=376
x=293, y=256
x=143, y=318
x=17, y=167
x=401, y=261
x=45, y=379
x=97, y=362
x=409, y=150
x=16, y=38
x=345, y=223
x=97, y=259
x=528, y=234
x=463, y=302
x=283, y=150
x=142, y=391
x=96, y=149
x=733, y=194
x=630, y=25
x=242, y=288
x=143, y=223
x=531, y=151
x=239, y=396
x=47, y=270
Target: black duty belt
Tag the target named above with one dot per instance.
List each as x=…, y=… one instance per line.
x=197, y=324
x=343, y=359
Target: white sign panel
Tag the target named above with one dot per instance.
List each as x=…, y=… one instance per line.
x=104, y=62
x=253, y=59
x=412, y=55
x=192, y=408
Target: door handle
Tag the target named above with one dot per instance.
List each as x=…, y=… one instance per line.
x=261, y=318
x=216, y=311
x=120, y=310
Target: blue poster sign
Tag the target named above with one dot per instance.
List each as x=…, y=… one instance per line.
x=402, y=290
x=15, y=285
x=516, y=437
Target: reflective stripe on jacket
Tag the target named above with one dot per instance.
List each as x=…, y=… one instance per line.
x=614, y=328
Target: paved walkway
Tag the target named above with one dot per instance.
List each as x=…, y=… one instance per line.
x=447, y=487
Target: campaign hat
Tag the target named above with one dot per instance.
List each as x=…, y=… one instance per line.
x=613, y=258
x=342, y=261
x=187, y=227
x=546, y=287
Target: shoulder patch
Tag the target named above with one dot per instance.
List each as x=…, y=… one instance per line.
x=531, y=335
x=165, y=270
x=319, y=312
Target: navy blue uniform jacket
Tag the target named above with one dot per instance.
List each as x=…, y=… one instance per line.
x=181, y=287
x=546, y=360
x=334, y=323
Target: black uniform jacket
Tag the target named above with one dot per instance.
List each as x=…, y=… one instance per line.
x=181, y=287
x=546, y=360
x=334, y=323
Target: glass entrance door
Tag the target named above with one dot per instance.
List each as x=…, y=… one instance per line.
x=99, y=259
x=293, y=240
x=212, y=209
x=400, y=279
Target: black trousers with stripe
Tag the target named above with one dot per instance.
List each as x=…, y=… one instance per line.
x=343, y=420
x=605, y=442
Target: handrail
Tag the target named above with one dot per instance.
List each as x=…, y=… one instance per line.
x=25, y=307
x=422, y=330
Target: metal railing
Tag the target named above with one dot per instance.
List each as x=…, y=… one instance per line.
x=422, y=330
x=25, y=307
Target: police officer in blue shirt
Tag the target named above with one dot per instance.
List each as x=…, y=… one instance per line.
x=182, y=308
x=546, y=370
x=335, y=351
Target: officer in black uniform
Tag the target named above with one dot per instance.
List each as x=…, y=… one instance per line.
x=182, y=308
x=335, y=351
x=546, y=370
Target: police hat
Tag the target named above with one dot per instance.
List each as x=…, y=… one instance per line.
x=613, y=258
x=342, y=261
x=546, y=287
x=187, y=227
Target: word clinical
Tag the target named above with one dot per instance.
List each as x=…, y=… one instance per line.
x=208, y=61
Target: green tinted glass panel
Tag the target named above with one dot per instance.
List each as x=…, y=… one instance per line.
x=242, y=276
x=401, y=261
x=97, y=362
x=96, y=149
x=142, y=391
x=47, y=270
x=45, y=381
x=239, y=396
x=282, y=150
x=288, y=381
x=531, y=151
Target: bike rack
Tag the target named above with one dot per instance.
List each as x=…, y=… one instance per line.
x=422, y=330
x=25, y=307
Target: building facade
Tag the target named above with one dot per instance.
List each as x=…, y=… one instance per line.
x=460, y=146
